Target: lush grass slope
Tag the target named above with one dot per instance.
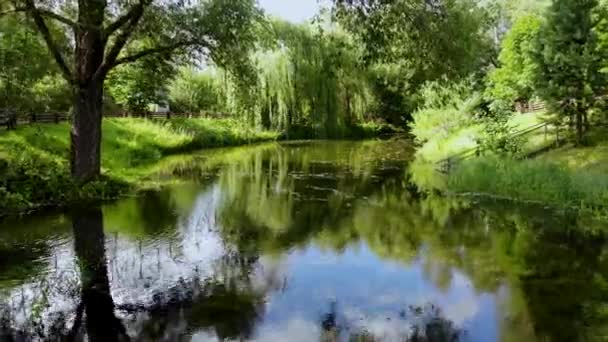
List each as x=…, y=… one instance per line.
x=467, y=137
x=34, y=168
x=531, y=180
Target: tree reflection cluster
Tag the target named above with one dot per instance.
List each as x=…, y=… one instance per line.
x=275, y=200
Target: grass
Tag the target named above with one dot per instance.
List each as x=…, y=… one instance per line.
x=467, y=137
x=34, y=166
x=531, y=180
x=593, y=157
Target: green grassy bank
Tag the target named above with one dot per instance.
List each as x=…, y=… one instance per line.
x=34, y=159
x=532, y=181
x=566, y=176
x=34, y=166
x=561, y=176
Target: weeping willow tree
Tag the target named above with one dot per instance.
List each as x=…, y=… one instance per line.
x=307, y=79
x=311, y=78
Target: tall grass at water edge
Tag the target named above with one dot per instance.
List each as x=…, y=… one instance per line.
x=531, y=180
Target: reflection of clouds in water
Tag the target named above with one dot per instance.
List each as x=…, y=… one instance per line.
x=376, y=300
x=136, y=269
x=465, y=303
x=204, y=336
x=138, y=273
x=54, y=291
x=292, y=330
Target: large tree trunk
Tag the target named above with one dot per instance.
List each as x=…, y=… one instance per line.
x=88, y=91
x=86, y=132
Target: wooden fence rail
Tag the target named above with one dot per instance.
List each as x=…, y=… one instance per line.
x=57, y=117
x=447, y=164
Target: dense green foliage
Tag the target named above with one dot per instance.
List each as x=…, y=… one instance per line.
x=306, y=77
x=569, y=61
x=409, y=42
x=137, y=85
x=452, y=71
x=514, y=79
x=32, y=86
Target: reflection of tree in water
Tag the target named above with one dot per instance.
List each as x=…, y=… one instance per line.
x=556, y=274
x=227, y=305
x=424, y=324
x=95, y=308
x=96, y=300
x=293, y=195
x=228, y=311
x=556, y=269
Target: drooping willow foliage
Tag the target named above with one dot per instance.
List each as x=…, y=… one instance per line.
x=307, y=76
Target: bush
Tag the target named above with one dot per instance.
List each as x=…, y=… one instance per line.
x=498, y=136
x=447, y=108
x=33, y=180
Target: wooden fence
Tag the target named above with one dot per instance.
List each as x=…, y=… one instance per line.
x=57, y=117
x=446, y=165
x=530, y=107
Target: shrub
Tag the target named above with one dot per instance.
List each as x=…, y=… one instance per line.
x=447, y=108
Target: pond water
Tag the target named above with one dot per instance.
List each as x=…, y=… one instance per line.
x=309, y=241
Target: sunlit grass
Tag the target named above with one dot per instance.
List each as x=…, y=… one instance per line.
x=34, y=159
x=531, y=180
x=592, y=158
x=468, y=137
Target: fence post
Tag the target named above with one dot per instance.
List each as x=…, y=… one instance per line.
x=168, y=115
x=56, y=117
x=32, y=117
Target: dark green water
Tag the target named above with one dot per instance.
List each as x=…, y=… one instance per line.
x=326, y=241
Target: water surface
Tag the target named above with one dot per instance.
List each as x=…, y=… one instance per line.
x=323, y=241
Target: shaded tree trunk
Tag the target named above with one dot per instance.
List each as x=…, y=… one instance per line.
x=88, y=91
x=579, y=126
x=86, y=132
x=349, y=114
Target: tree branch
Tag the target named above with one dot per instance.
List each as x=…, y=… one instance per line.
x=106, y=67
x=44, y=13
x=147, y=52
x=124, y=19
x=128, y=26
x=46, y=34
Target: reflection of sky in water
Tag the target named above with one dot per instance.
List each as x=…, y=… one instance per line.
x=370, y=294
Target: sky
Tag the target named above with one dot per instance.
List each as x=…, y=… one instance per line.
x=291, y=10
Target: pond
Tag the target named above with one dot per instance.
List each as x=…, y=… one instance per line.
x=302, y=241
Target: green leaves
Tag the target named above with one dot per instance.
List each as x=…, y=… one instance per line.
x=568, y=75
x=514, y=79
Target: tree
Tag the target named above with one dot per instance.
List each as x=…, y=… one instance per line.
x=513, y=80
x=193, y=91
x=19, y=42
x=569, y=74
x=418, y=41
x=104, y=32
x=136, y=85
